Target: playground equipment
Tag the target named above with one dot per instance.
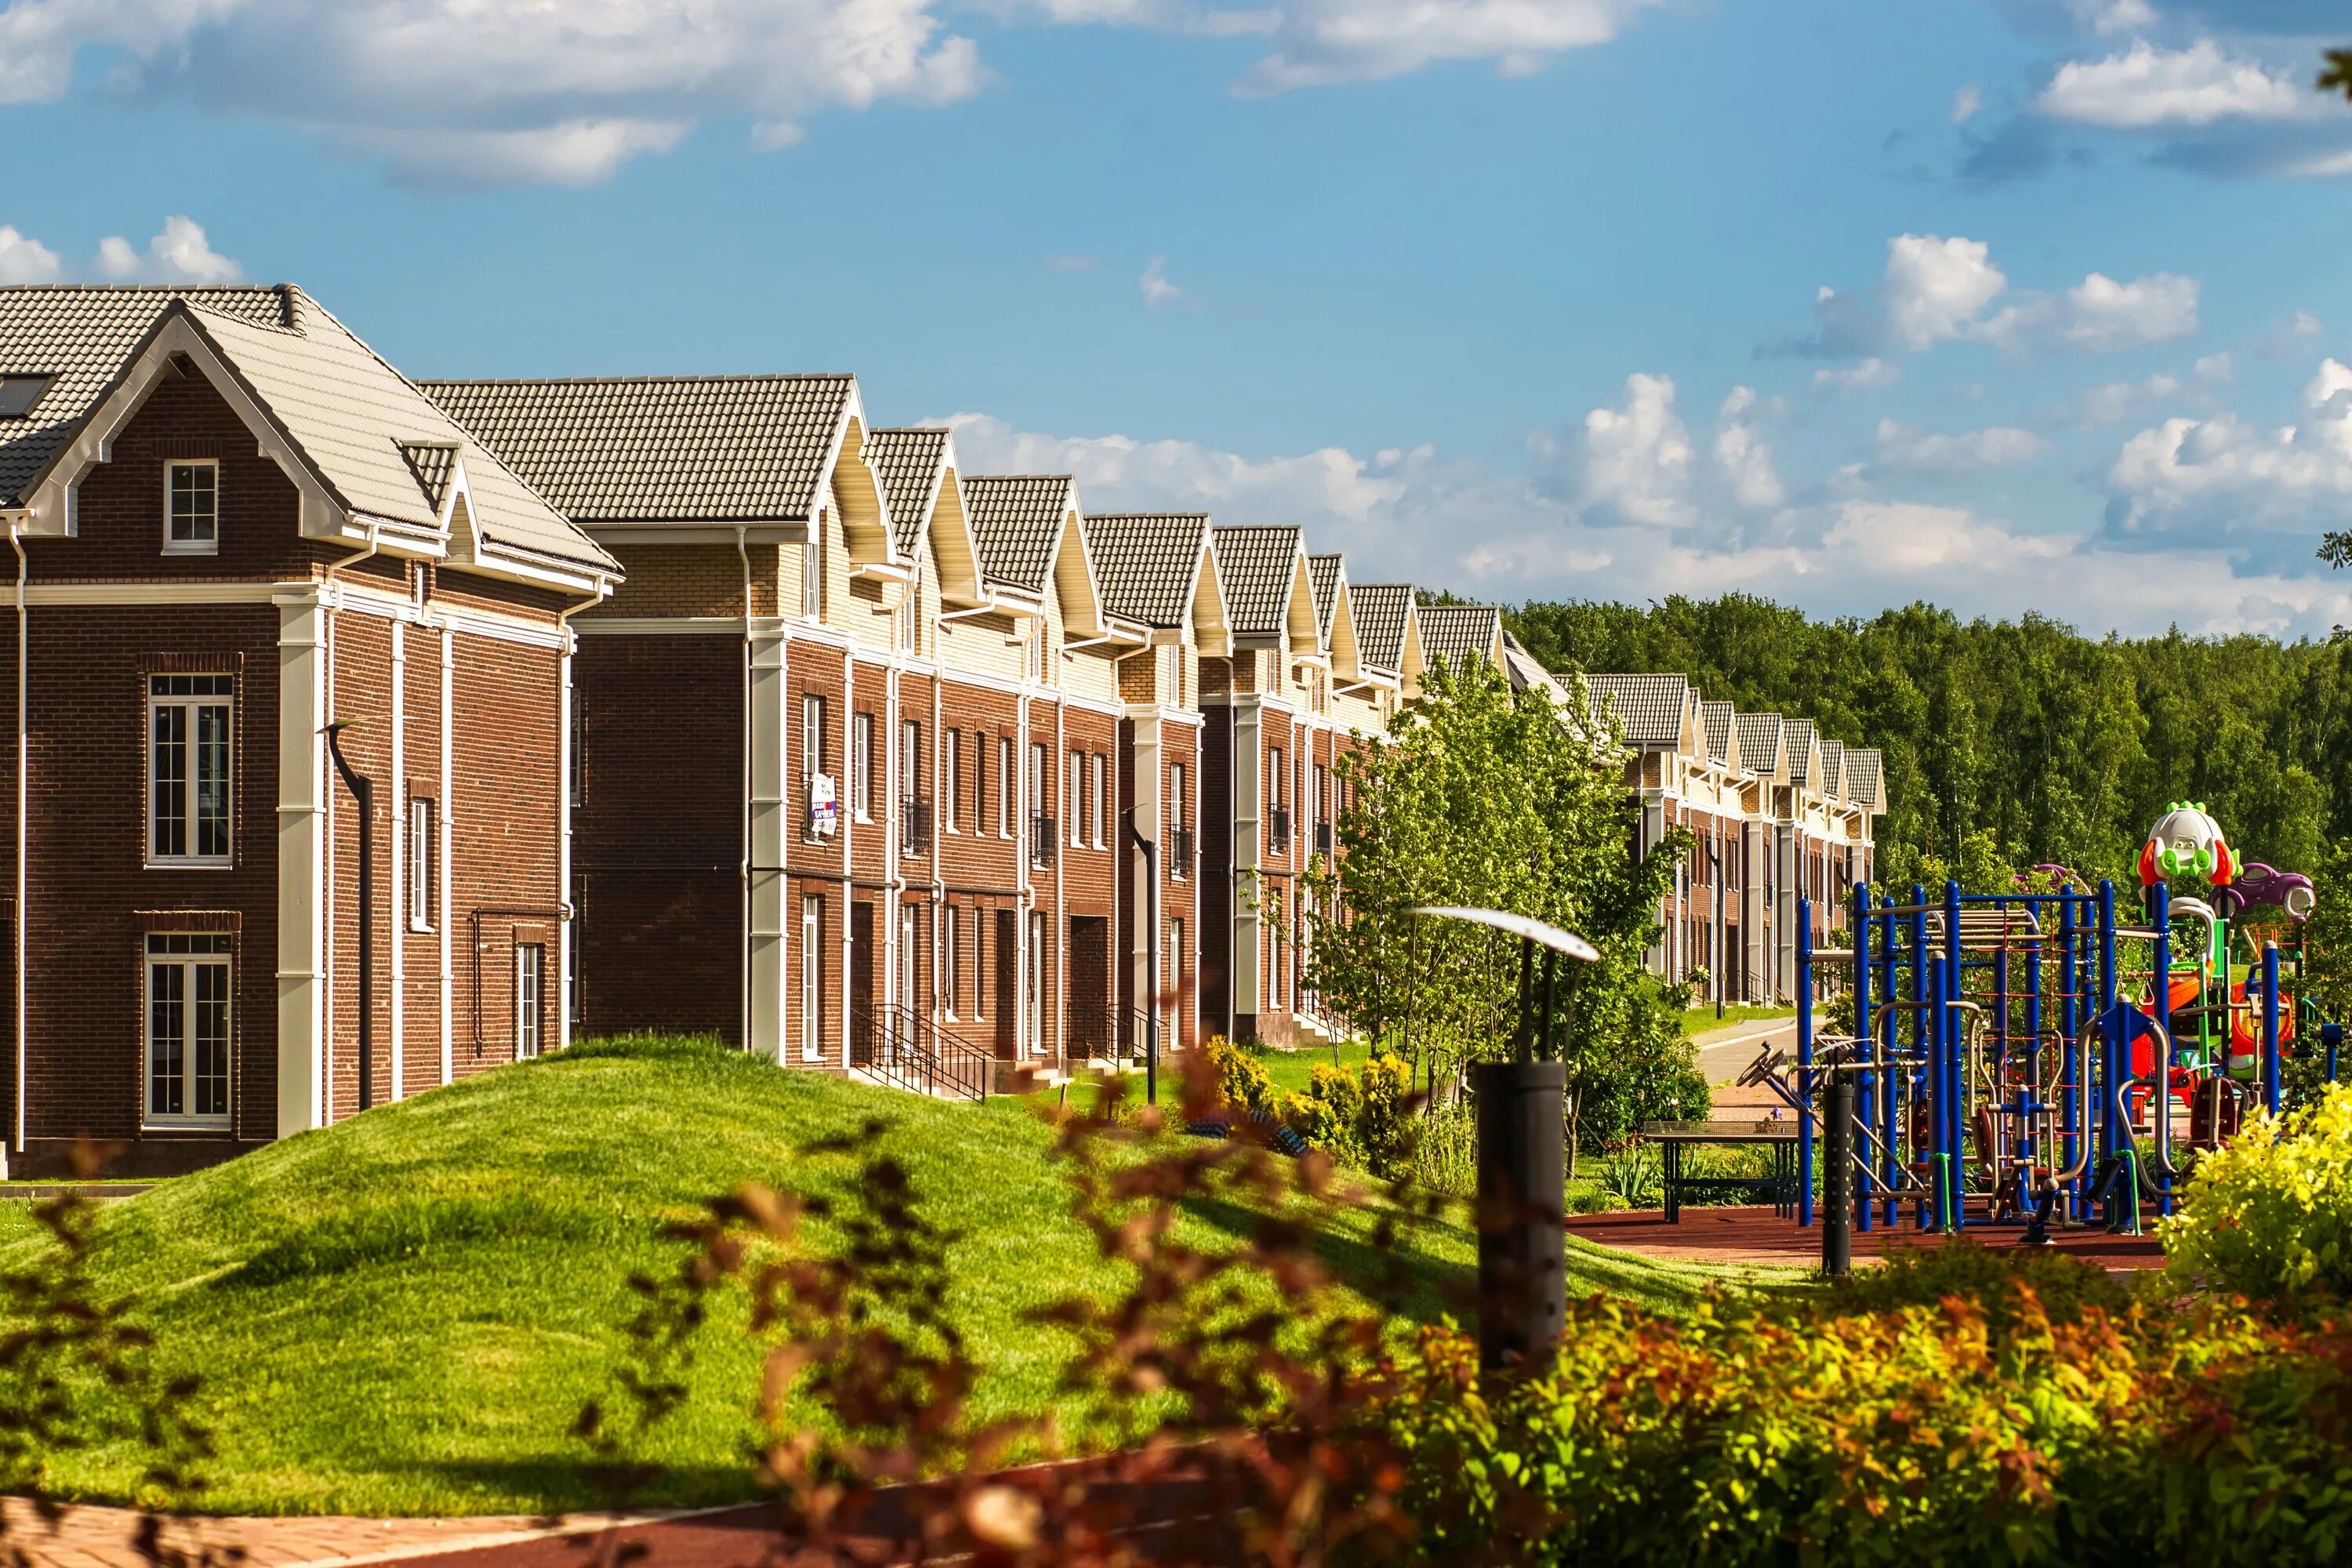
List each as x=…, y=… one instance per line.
x=2008, y=1057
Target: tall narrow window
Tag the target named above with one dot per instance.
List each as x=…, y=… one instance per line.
x=813, y=571
x=822, y=803
x=1004, y=790
x=1095, y=810
x=1077, y=798
x=531, y=979
x=1033, y=654
x=188, y=769
x=420, y=863
x=979, y=919
x=861, y=767
x=911, y=622
x=914, y=811
x=191, y=507
x=950, y=778
x=951, y=931
x=1179, y=837
x=187, y=1029
x=579, y=760
x=811, y=977
x=1040, y=773
x=978, y=782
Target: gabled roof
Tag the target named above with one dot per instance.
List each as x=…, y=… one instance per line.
x=721, y=448
x=1716, y=724
x=1649, y=707
x=1451, y=633
x=910, y=465
x=1758, y=735
x=1381, y=612
x=1866, y=776
x=1804, y=743
x=1832, y=779
x=1258, y=567
x=380, y=450
x=1017, y=522
x=82, y=336
x=1146, y=563
x=1324, y=572
x=1525, y=670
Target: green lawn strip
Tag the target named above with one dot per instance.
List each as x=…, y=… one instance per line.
x=403, y=1314
x=1699, y=1020
x=1291, y=1069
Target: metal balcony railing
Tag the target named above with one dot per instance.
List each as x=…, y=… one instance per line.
x=1041, y=840
x=1278, y=831
x=914, y=827
x=1322, y=839
x=1180, y=853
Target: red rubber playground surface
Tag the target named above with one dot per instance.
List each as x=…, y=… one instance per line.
x=1757, y=1236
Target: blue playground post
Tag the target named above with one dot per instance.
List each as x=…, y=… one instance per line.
x=2159, y=913
x=1864, y=1033
x=2269, y=1026
x=1954, y=1114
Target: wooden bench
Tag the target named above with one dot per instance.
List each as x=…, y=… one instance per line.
x=1673, y=1137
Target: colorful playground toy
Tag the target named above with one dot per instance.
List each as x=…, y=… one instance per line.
x=2011, y=1061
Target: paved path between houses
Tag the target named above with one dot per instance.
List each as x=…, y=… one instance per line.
x=1754, y=1233
x=1724, y=1054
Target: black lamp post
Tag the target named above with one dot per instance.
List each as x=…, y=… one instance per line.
x=1522, y=1175
x=364, y=791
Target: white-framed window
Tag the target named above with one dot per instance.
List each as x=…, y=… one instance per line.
x=530, y=994
x=950, y=933
x=1177, y=868
x=813, y=571
x=188, y=1028
x=978, y=782
x=191, y=507
x=910, y=620
x=811, y=977
x=1078, y=799
x=421, y=835
x=950, y=778
x=1033, y=656
x=189, y=760
x=911, y=760
x=1095, y=803
x=1004, y=792
x=861, y=766
x=980, y=921
x=579, y=759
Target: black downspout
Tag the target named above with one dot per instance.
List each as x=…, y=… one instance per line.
x=1150, y=967
x=364, y=791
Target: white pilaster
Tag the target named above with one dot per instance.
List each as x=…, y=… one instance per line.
x=301, y=861
x=765, y=955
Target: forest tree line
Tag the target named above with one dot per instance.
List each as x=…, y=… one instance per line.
x=2065, y=748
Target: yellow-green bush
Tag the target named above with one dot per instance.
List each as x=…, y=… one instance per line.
x=1241, y=1077
x=2270, y=1215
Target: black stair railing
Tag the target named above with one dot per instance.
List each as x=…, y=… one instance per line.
x=906, y=1050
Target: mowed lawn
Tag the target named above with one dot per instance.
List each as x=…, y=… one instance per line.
x=405, y=1313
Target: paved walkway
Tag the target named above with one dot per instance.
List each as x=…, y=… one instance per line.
x=1756, y=1234
x=90, y=1537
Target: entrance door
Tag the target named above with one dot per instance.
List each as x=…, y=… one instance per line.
x=911, y=1006
x=1093, y=1028
x=1036, y=988
x=1004, y=982
x=861, y=982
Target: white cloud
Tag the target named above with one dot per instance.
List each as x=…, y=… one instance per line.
x=1870, y=373
x=1743, y=457
x=2098, y=315
x=1637, y=458
x=1157, y=291
x=2109, y=17
x=1901, y=446
x=1073, y=263
x=2226, y=477
x=461, y=92
x=2117, y=401
x=180, y=254
x=1934, y=287
x=2291, y=336
x=2216, y=368
x=2148, y=88
x=1317, y=42
x=24, y=259
x=1966, y=102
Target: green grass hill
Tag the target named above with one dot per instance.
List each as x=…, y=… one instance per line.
x=403, y=1313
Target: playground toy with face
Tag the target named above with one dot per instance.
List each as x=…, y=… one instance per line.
x=2187, y=842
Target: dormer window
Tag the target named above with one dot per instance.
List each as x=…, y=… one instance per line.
x=191, y=508
x=19, y=393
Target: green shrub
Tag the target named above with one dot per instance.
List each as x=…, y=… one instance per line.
x=1919, y=1432
x=1241, y=1077
x=2270, y=1214
x=2061, y=1288
x=1445, y=1152
x=1363, y=1118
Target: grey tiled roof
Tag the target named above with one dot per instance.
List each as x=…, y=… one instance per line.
x=1649, y=707
x=352, y=420
x=83, y=335
x=1864, y=775
x=1324, y=572
x=1450, y=633
x=1832, y=779
x=1255, y=567
x=1017, y=522
x=1760, y=742
x=1146, y=563
x=1716, y=723
x=730, y=448
x=1804, y=752
x=908, y=463
x=1380, y=611
x=1525, y=670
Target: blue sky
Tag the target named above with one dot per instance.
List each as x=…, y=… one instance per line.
x=2009, y=304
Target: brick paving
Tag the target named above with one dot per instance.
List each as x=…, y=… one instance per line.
x=1755, y=1234
x=92, y=1537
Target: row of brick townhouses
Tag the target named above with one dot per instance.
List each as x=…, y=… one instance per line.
x=1779, y=811
x=689, y=704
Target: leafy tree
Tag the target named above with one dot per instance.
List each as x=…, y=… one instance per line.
x=1482, y=797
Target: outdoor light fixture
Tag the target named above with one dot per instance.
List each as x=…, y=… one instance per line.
x=1522, y=1175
